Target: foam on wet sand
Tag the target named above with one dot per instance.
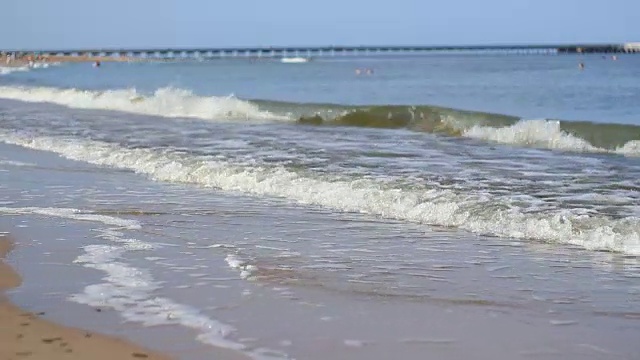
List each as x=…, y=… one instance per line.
x=27, y=334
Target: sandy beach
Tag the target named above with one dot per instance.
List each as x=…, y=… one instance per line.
x=26, y=60
x=26, y=335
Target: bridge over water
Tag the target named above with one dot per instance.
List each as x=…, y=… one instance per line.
x=320, y=51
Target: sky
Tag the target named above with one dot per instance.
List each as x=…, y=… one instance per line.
x=81, y=24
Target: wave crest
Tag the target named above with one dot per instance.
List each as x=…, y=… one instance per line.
x=548, y=134
x=180, y=103
x=632, y=148
x=165, y=102
x=541, y=133
x=545, y=134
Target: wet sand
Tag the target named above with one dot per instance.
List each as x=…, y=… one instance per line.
x=26, y=335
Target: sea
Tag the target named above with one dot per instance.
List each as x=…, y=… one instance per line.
x=436, y=206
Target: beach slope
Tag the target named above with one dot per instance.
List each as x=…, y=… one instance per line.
x=25, y=335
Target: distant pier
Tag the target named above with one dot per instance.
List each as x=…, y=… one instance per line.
x=328, y=51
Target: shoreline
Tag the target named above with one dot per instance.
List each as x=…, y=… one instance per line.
x=29, y=60
x=26, y=334
x=26, y=61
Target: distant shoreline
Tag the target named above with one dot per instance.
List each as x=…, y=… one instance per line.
x=337, y=50
x=27, y=60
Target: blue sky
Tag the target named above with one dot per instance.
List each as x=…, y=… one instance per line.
x=53, y=24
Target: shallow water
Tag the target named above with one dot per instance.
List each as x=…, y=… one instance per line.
x=291, y=281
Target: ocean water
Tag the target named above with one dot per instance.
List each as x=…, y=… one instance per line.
x=306, y=211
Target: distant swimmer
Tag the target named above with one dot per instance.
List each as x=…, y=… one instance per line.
x=365, y=70
x=614, y=58
x=581, y=66
x=96, y=64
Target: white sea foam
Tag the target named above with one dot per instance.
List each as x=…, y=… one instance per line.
x=15, y=163
x=632, y=148
x=5, y=70
x=468, y=211
x=73, y=214
x=246, y=269
x=130, y=290
x=546, y=134
x=165, y=102
x=40, y=66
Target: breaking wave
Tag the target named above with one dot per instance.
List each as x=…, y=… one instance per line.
x=548, y=134
x=476, y=213
x=179, y=103
x=543, y=133
x=166, y=102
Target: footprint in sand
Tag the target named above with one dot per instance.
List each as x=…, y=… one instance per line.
x=50, y=340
